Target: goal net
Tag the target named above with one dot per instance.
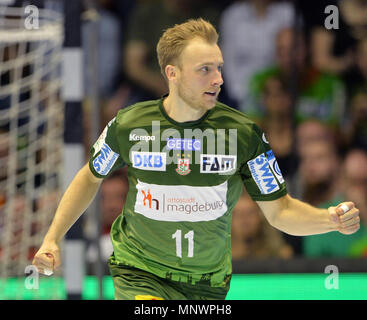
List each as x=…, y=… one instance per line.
x=31, y=134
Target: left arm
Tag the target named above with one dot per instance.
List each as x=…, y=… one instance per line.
x=298, y=218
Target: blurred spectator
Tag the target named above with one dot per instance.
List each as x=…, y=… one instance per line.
x=247, y=34
x=356, y=129
x=319, y=172
x=356, y=78
x=311, y=131
x=111, y=34
x=140, y=59
x=309, y=134
x=114, y=190
x=333, y=50
x=278, y=125
x=354, y=186
x=113, y=89
x=252, y=236
x=318, y=95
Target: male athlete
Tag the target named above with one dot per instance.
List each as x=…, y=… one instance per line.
x=188, y=157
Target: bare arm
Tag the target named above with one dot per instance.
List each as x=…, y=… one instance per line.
x=298, y=218
x=74, y=202
x=135, y=66
x=321, y=51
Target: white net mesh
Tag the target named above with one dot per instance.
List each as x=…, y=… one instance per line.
x=31, y=134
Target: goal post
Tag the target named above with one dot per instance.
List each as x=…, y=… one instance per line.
x=31, y=133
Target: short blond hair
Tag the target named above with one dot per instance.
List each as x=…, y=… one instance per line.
x=174, y=40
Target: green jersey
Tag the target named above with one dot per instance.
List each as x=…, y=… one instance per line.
x=184, y=181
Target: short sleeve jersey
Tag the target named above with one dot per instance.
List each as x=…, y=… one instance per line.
x=184, y=181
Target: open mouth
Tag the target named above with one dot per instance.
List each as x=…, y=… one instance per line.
x=213, y=94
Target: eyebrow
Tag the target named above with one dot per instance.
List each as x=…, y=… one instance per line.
x=210, y=64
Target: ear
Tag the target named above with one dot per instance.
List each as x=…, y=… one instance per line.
x=171, y=72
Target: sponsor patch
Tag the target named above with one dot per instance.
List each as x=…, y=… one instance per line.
x=151, y=161
x=274, y=165
x=102, y=138
x=105, y=160
x=262, y=174
x=180, y=202
x=135, y=137
x=184, y=144
x=217, y=163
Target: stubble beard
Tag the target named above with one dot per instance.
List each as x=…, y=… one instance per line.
x=195, y=103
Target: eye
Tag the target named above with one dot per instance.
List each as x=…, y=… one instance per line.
x=220, y=69
x=205, y=69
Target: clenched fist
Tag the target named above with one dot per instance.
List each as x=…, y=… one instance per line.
x=47, y=259
x=346, y=217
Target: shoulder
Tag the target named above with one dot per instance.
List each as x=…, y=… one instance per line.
x=135, y=113
x=232, y=118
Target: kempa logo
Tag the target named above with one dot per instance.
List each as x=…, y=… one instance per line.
x=135, y=137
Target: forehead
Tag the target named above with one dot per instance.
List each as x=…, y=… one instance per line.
x=356, y=165
x=198, y=51
x=317, y=148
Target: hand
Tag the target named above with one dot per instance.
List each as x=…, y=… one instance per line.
x=47, y=258
x=347, y=222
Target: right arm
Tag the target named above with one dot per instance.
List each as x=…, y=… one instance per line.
x=74, y=202
x=136, y=68
x=322, y=42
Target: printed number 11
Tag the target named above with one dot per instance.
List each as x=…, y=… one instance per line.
x=178, y=236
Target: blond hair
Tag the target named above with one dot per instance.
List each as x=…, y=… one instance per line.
x=174, y=40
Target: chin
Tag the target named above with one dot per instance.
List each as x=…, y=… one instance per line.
x=210, y=105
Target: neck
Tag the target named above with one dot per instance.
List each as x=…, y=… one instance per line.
x=180, y=111
x=260, y=7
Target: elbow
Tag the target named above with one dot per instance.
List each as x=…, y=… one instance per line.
x=278, y=218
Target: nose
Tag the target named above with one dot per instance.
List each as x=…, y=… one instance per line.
x=218, y=79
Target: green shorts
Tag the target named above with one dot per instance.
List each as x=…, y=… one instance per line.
x=136, y=284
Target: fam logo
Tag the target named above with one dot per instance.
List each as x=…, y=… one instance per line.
x=152, y=161
x=262, y=174
x=184, y=144
x=105, y=160
x=217, y=163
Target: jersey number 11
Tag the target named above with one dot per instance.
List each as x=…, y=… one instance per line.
x=178, y=236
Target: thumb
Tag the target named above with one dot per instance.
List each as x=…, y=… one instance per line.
x=344, y=207
x=334, y=217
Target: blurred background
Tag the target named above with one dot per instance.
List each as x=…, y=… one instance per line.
x=297, y=68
